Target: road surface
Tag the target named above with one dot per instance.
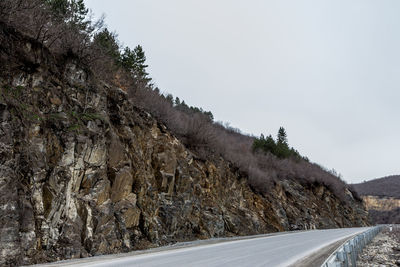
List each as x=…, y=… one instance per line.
x=275, y=250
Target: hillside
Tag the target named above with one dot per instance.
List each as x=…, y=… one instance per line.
x=95, y=161
x=382, y=187
x=383, y=210
x=382, y=198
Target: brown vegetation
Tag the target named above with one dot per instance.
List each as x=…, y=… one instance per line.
x=383, y=187
x=206, y=138
x=385, y=216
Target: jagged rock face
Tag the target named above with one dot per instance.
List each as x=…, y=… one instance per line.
x=83, y=172
x=381, y=203
x=382, y=210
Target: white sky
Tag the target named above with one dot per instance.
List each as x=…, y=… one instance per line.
x=328, y=71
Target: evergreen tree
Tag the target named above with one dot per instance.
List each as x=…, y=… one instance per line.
x=209, y=115
x=59, y=7
x=134, y=61
x=183, y=107
x=128, y=60
x=270, y=145
x=279, y=148
x=265, y=144
x=157, y=91
x=258, y=143
x=282, y=147
x=72, y=11
x=78, y=12
x=177, y=101
x=170, y=99
x=282, y=137
x=108, y=42
x=140, y=66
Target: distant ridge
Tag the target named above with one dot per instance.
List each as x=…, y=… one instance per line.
x=388, y=186
x=381, y=198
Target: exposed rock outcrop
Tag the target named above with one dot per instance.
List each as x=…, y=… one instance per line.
x=382, y=210
x=83, y=172
x=381, y=198
x=381, y=203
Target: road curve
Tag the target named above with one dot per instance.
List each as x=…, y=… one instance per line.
x=276, y=250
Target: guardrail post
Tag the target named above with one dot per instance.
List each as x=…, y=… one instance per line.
x=342, y=258
x=353, y=253
x=347, y=250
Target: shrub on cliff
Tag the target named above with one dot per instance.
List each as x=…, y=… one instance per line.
x=73, y=34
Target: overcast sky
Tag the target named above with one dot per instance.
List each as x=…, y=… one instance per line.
x=328, y=71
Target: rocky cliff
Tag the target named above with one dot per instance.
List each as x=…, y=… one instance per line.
x=381, y=203
x=381, y=198
x=83, y=172
x=382, y=210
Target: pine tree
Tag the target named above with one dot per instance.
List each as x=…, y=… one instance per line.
x=282, y=137
x=72, y=11
x=270, y=145
x=282, y=147
x=279, y=148
x=209, y=115
x=78, y=10
x=128, y=59
x=170, y=99
x=140, y=66
x=266, y=145
x=134, y=61
x=59, y=7
x=108, y=42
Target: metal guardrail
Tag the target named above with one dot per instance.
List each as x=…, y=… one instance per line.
x=346, y=255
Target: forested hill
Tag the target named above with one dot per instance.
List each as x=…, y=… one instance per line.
x=383, y=187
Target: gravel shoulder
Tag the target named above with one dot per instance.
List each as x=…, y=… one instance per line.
x=384, y=250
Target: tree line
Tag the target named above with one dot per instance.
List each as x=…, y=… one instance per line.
x=279, y=148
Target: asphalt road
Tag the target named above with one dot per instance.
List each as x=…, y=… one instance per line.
x=276, y=250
